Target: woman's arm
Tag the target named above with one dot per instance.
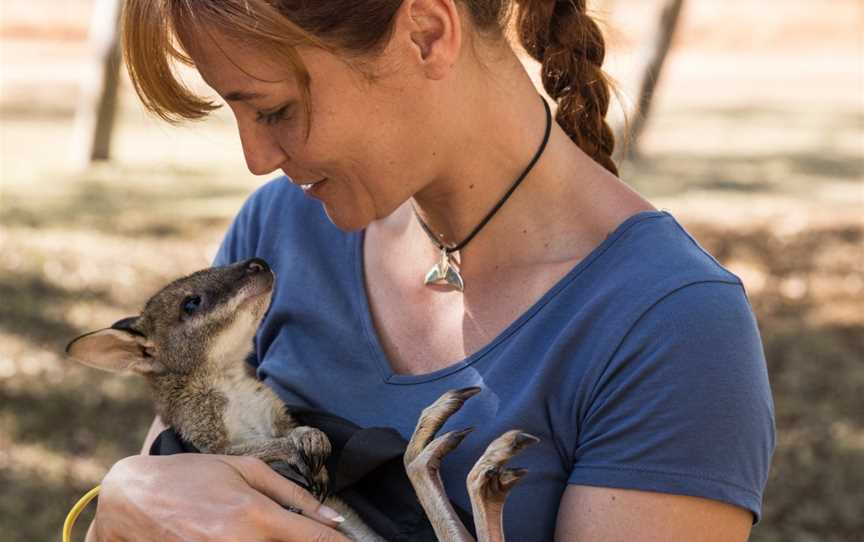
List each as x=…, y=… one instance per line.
x=682, y=408
x=204, y=497
x=155, y=428
x=590, y=514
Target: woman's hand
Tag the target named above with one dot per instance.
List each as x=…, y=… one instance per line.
x=208, y=498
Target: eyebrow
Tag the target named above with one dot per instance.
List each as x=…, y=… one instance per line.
x=239, y=96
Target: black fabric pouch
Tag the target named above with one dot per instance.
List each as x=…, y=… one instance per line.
x=366, y=472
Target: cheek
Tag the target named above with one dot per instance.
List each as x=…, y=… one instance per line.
x=290, y=136
x=318, y=156
x=369, y=162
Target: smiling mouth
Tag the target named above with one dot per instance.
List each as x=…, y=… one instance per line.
x=307, y=186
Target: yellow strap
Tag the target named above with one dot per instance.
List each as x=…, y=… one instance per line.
x=72, y=517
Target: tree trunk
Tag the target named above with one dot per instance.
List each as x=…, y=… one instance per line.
x=653, y=57
x=94, y=117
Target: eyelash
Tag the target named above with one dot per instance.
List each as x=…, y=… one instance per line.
x=273, y=118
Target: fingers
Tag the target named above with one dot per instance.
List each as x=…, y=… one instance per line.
x=264, y=479
x=297, y=527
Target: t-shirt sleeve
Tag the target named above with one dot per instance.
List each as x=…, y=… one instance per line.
x=683, y=406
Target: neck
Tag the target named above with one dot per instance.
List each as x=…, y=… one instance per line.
x=566, y=205
x=490, y=151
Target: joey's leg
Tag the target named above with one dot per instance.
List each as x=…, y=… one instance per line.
x=490, y=481
x=423, y=460
x=303, y=450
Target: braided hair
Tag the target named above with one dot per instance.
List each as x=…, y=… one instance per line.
x=569, y=45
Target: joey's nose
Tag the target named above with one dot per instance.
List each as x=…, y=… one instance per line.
x=256, y=265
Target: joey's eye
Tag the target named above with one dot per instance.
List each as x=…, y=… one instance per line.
x=191, y=304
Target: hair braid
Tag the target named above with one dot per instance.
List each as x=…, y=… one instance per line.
x=569, y=44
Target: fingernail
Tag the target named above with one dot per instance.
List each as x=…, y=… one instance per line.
x=330, y=514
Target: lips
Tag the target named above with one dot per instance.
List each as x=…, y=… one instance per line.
x=314, y=189
x=309, y=185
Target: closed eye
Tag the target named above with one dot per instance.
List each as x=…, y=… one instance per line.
x=273, y=117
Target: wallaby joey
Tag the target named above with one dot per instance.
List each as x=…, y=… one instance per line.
x=191, y=342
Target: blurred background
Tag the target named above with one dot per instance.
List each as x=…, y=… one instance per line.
x=754, y=141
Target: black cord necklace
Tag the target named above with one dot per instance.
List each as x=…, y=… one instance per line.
x=446, y=271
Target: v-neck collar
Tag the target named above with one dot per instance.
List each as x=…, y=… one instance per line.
x=376, y=349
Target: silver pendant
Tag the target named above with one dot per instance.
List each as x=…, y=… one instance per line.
x=445, y=272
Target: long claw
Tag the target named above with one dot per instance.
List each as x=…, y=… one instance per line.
x=510, y=476
x=459, y=436
x=433, y=418
x=523, y=440
x=470, y=391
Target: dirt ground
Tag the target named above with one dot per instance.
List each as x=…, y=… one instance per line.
x=756, y=146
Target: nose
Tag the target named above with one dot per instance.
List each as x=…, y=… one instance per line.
x=262, y=151
x=255, y=266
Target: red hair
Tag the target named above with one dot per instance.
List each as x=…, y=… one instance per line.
x=557, y=33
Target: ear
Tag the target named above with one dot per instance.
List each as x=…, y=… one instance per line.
x=118, y=348
x=436, y=34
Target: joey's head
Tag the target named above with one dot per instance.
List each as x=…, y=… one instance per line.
x=207, y=318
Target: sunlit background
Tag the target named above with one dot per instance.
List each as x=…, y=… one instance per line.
x=755, y=142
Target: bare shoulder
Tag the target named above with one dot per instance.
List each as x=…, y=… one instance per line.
x=592, y=514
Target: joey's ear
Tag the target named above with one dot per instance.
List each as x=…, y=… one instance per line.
x=118, y=348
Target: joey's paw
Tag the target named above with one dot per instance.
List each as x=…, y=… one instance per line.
x=432, y=419
x=297, y=470
x=428, y=461
x=489, y=479
x=314, y=448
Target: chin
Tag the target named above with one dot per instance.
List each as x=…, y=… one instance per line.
x=346, y=222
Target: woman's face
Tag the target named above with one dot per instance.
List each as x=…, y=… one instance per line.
x=366, y=140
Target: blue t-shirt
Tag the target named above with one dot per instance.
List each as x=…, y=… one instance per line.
x=642, y=368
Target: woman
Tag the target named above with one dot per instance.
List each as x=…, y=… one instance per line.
x=476, y=243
